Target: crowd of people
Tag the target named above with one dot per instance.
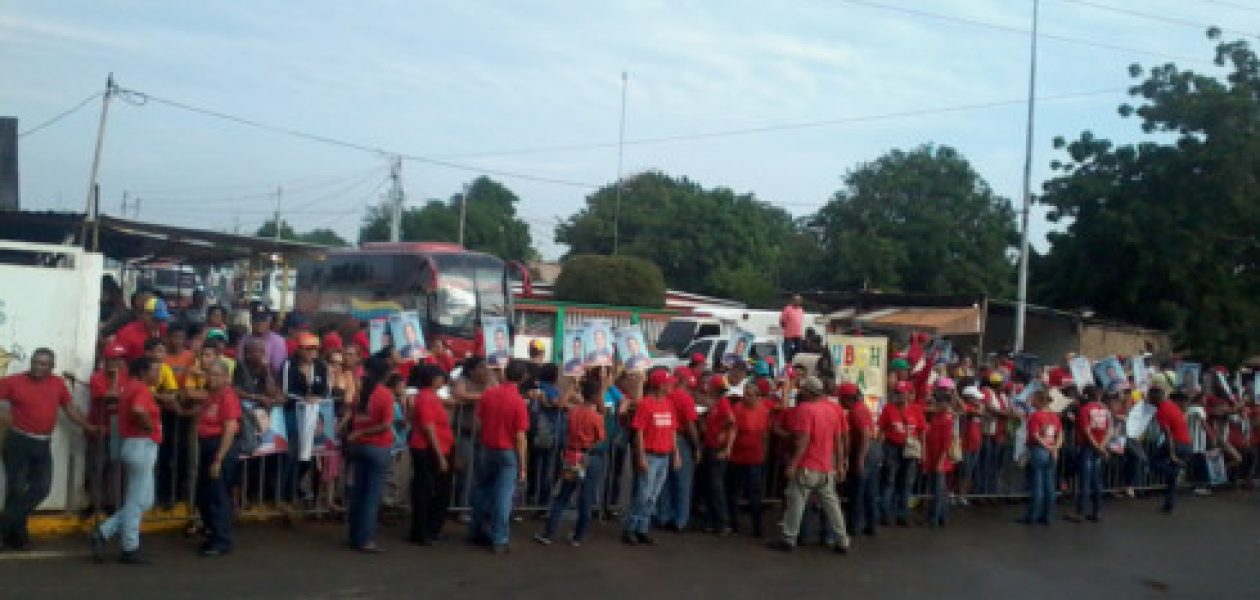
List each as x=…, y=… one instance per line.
x=704, y=441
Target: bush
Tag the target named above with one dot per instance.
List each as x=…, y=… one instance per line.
x=616, y=280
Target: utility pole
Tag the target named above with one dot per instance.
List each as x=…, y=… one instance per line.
x=1021, y=310
x=276, y=223
x=396, y=200
x=135, y=209
x=90, y=204
x=621, y=143
x=123, y=212
x=463, y=213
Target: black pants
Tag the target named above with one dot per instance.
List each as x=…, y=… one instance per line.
x=714, y=490
x=430, y=496
x=214, y=496
x=747, y=481
x=173, y=461
x=28, y=478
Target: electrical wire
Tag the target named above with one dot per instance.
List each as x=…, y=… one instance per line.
x=286, y=191
x=297, y=183
x=63, y=114
x=1154, y=17
x=1232, y=5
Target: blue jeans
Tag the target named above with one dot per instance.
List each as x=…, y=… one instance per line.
x=992, y=455
x=864, y=491
x=647, y=488
x=940, y=499
x=714, y=470
x=1040, y=485
x=214, y=499
x=370, y=463
x=138, y=457
x=587, y=489
x=1166, y=466
x=1090, y=480
x=494, y=485
x=747, y=481
x=899, y=476
x=674, y=506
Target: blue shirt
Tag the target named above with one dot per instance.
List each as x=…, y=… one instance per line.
x=612, y=401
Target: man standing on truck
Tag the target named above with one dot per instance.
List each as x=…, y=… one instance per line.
x=792, y=320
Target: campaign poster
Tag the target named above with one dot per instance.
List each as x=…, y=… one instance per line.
x=404, y=328
x=1188, y=375
x=325, y=429
x=377, y=336
x=943, y=351
x=632, y=349
x=272, y=436
x=738, y=347
x=597, y=342
x=1109, y=374
x=1139, y=419
x=573, y=356
x=494, y=332
x=1141, y=374
x=1081, y=374
x=863, y=361
x=1023, y=400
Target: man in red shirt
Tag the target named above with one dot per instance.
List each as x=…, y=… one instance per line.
x=33, y=398
x=902, y=424
x=818, y=461
x=719, y=435
x=673, y=511
x=105, y=388
x=150, y=323
x=936, y=461
x=655, y=452
x=1171, y=458
x=1093, y=430
x=746, y=468
x=1045, y=437
x=866, y=455
x=971, y=431
x=503, y=420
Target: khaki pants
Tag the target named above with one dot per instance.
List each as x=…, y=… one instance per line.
x=797, y=494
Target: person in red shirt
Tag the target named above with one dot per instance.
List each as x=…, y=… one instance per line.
x=1171, y=458
x=105, y=387
x=430, y=442
x=994, y=451
x=902, y=424
x=503, y=420
x=719, y=435
x=819, y=460
x=792, y=321
x=149, y=323
x=582, y=465
x=655, y=429
x=140, y=427
x=866, y=455
x=368, y=453
x=745, y=475
x=1093, y=431
x=33, y=398
x=936, y=461
x=218, y=422
x=673, y=510
x=971, y=431
x=1045, y=437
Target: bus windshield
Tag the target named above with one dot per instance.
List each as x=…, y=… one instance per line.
x=465, y=281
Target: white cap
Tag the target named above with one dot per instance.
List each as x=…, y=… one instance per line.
x=972, y=392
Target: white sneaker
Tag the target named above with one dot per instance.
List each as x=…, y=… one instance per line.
x=1202, y=492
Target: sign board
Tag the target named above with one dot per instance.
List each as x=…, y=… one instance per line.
x=862, y=360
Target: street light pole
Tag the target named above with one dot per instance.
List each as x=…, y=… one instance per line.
x=621, y=143
x=1021, y=311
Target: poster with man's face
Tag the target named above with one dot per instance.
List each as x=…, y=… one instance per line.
x=1081, y=373
x=494, y=331
x=738, y=347
x=1110, y=374
x=404, y=328
x=1141, y=375
x=597, y=342
x=632, y=349
x=1188, y=375
x=574, y=354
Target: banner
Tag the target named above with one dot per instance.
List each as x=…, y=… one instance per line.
x=631, y=349
x=574, y=360
x=862, y=360
x=1081, y=374
x=494, y=334
x=404, y=328
x=738, y=347
x=597, y=341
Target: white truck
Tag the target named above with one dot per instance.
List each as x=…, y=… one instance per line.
x=681, y=332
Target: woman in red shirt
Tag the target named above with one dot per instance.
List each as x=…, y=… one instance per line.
x=368, y=452
x=218, y=421
x=745, y=475
x=431, y=442
x=1045, y=437
x=936, y=462
x=140, y=427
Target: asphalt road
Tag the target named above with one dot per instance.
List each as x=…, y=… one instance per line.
x=1209, y=549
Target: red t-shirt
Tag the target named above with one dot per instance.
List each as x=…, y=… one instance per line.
x=940, y=434
x=900, y=423
x=861, y=422
x=971, y=430
x=219, y=408
x=380, y=411
x=684, y=407
x=1170, y=417
x=502, y=415
x=751, y=424
x=33, y=403
x=1093, y=420
x=98, y=386
x=429, y=410
x=716, y=423
x=136, y=397
x=132, y=337
x=821, y=423
x=1043, y=423
x=654, y=418
x=585, y=429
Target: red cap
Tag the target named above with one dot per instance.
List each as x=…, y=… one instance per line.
x=904, y=387
x=332, y=341
x=763, y=385
x=115, y=351
x=684, y=375
x=660, y=377
x=697, y=358
x=717, y=382
x=1221, y=370
x=849, y=388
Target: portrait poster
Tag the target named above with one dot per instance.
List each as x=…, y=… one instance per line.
x=404, y=328
x=738, y=347
x=573, y=356
x=1082, y=375
x=494, y=332
x=597, y=342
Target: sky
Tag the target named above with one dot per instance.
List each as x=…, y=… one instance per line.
x=779, y=99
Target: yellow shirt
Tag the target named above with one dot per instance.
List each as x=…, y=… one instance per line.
x=196, y=377
x=166, y=383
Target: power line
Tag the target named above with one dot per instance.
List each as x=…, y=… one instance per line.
x=354, y=182
x=1232, y=5
x=1154, y=17
x=140, y=98
x=63, y=114
x=298, y=183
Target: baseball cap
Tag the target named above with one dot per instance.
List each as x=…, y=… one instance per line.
x=812, y=385
x=904, y=387
x=157, y=306
x=216, y=334
x=260, y=313
x=115, y=351
x=684, y=375
x=899, y=364
x=972, y=392
x=659, y=377
x=763, y=386
x=848, y=388
x=995, y=377
x=308, y=340
x=717, y=382
x=697, y=358
x=945, y=383
x=332, y=341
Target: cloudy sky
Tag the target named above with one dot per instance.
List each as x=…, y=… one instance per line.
x=800, y=91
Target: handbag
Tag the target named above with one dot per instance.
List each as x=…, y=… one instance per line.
x=955, y=450
x=913, y=449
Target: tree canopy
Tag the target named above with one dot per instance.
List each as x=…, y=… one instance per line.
x=319, y=235
x=615, y=280
x=1163, y=232
x=491, y=224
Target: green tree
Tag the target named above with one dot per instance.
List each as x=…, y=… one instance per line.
x=711, y=241
x=491, y=224
x=1163, y=232
x=268, y=230
x=918, y=221
x=321, y=235
x=615, y=280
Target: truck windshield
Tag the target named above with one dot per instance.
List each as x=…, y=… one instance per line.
x=676, y=335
